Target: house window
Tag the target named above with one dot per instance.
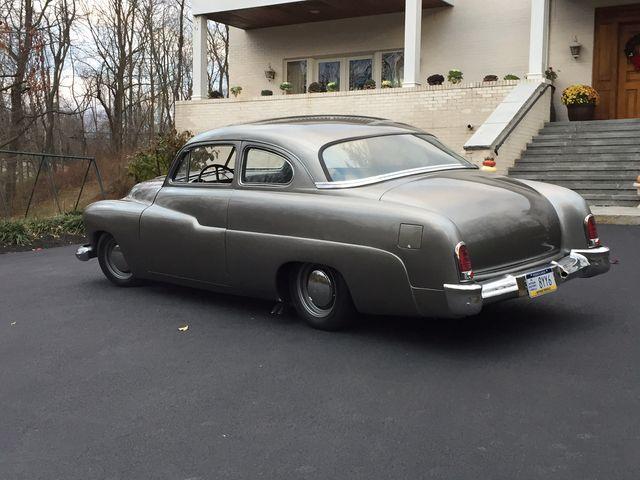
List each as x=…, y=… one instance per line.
x=393, y=67
x=297, y=75
x=360, y=70
x=329, y=71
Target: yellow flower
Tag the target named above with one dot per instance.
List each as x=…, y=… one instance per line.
x=580, y=95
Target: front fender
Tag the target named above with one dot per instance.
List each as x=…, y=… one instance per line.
x=120, y=218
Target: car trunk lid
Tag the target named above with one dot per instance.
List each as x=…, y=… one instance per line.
x=502, y=221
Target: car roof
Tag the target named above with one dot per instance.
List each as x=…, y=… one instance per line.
x=304, y=136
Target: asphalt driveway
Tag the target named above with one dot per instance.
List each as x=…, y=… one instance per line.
x=98, y=382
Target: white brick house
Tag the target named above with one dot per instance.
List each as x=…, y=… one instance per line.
x=404, y=41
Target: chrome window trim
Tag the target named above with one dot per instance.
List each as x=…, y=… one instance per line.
x=390, y=176
x=265, y=148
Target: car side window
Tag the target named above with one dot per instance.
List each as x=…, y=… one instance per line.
x=209, y=164
x=266, y=167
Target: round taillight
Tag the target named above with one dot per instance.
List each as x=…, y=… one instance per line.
x=591, y=231
x=464, y=261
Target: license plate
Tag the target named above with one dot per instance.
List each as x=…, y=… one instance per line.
x=541, y=282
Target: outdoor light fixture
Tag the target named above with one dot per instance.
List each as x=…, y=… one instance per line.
x=575, y=48
x=270, y=73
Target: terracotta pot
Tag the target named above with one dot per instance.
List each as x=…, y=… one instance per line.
x=581, y=113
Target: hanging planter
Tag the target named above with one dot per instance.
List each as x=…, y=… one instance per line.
x=270, y=73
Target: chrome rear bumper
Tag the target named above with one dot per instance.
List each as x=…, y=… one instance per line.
x=468, y=299
x=85, y=253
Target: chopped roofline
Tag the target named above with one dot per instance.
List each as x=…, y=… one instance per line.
x=349, y=119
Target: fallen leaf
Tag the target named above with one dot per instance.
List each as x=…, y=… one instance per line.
x=615, y=261
x=183, y=328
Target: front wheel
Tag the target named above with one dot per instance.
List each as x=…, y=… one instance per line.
x=112, y=262
x=321, y=297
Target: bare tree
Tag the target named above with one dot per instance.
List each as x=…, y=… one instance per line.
x=78, y=77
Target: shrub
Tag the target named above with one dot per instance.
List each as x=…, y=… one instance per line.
x=266, y=93
x=580, y=95
x=490, y=78
x=369, y=84
x=286, y=87
x=387, y=84
x=215, y=94
x=435, y=79
x=14, y=233
x=316, y=87
x=156, y=159
x=332, y=87
x=455, y=76
x=511, y=76
x=20, y=233
x=235, y=91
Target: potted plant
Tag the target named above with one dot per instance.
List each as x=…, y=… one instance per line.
x=316, y=87
x=490, y=78
x=581, y=101
x=332, y=87
x=387, y=84
x=455, y=76
x=511, y=76
x=266, y=93
x=235, y=91
x=286, y=87
x=369, y=84
x=435, y=79
x=550, y=74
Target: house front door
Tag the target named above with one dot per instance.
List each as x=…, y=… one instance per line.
x=615, y=76
x=628, y=75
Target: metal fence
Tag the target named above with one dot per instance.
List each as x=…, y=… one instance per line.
x=21, y=173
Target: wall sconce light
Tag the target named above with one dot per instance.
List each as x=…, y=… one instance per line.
x=270, y=73
x=575, y=48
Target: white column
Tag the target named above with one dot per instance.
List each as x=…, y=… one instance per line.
x=412, y=43
x=539, y=39
x=200, y=82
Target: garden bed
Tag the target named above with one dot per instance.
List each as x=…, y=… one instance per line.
x=37, y=233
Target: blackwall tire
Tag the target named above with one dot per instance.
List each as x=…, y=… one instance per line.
x=113, y=264
x=321, y=297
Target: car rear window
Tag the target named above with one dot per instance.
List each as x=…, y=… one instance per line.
x=363, y=158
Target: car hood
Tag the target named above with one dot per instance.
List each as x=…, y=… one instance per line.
x=145, y=192
x=502, y=221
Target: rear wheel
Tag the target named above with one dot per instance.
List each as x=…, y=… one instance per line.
x=112, y=262
x=321, y=296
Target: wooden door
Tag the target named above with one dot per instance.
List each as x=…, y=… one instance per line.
x=628, y=76
x=614, y=77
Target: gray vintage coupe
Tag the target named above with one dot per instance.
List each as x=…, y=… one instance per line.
x=342, y=214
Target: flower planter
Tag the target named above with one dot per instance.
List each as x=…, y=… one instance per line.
x=581, y=113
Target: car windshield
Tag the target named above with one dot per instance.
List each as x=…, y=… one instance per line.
x=364, y=158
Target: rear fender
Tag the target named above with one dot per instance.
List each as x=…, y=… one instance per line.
x=571, y=209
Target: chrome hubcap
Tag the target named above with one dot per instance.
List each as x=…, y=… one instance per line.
x=116, y=261
x=320, y=289
x=317, y=291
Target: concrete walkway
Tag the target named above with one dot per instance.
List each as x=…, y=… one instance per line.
x=617, y=215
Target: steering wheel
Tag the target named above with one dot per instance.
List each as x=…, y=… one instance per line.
x=220, y=170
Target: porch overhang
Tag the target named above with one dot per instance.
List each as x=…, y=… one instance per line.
x=251, y=14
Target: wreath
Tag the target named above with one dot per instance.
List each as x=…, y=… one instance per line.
x=631, y=51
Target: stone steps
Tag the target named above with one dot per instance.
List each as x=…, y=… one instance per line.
x=533, y=157
x=598, y=159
